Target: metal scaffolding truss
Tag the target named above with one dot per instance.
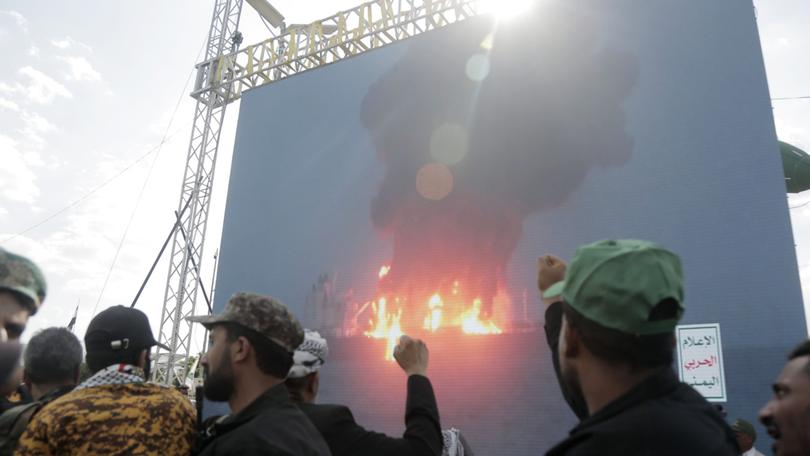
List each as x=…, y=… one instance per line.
x=345, y=34
x=221, y=78
x=189, y=239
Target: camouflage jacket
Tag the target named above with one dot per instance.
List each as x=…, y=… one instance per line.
x=113, y=419
x=14, y=421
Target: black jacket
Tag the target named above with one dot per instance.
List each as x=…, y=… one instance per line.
x=660, y=416
x=271, y=425
x=423, y=435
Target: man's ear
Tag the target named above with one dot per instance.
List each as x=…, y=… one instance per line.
x=572, y=343
x=240, y=349
x=314, y=384
x=142, y=356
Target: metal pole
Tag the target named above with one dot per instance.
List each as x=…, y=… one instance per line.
x=160, y=254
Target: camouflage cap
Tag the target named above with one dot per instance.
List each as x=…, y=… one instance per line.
x=263, y=314
x=23, y=277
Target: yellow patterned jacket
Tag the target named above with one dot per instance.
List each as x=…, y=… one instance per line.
x=113, y=419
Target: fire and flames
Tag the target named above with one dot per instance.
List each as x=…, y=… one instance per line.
x=454, y=310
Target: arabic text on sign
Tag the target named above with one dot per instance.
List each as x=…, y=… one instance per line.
x=709, y=383
x=706, y=341
x=698, y=363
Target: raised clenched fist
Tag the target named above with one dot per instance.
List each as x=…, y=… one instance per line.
x=411, y=355
x=550, y=270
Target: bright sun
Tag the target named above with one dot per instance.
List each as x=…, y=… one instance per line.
x=504, y=9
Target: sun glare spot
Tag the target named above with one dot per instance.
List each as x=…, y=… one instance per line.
x=504, y=9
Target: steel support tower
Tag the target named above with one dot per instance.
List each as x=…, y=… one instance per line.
x=221, y=78
x=180, y=297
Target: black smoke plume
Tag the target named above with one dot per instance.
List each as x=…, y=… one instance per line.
x=549, y=110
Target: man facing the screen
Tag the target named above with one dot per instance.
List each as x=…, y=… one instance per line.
x=615, y=311
x=423, y=435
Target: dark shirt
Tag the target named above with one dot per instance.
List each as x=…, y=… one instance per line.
x=20, y=396
x=423, y=435
x=14, y=420
x=271, y=425
x=659, y=416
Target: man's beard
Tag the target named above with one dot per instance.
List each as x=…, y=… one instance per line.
x=219, y=385
x=572, y=385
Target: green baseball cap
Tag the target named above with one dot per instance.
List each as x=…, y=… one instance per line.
x=618, y=283
x=21, y=276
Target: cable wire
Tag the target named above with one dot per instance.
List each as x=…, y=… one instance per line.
x=92, y=192
x=791, y=98
x=799, y=205
x=146, y=181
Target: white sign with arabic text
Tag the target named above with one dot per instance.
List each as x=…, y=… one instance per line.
x=700, y=360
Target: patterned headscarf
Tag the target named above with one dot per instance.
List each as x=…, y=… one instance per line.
x=455, y=444
x=117, y=374
x=309, y=356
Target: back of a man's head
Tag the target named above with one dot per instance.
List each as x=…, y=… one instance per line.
x=634, y=351
x=53, y=356
x=302, y=380
x=119, y=335
x=623, y=299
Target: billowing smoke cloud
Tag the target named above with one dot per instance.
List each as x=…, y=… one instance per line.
x=480, y=126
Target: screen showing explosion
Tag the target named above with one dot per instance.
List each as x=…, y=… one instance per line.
x=410, y=189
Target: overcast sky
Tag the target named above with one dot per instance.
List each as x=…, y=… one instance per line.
x=90, y=90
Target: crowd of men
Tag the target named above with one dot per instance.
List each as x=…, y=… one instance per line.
x=610, y=319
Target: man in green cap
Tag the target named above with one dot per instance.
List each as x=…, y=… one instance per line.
x=610, y=322
x=251, y=348
x=22, y=291
x=746, y=436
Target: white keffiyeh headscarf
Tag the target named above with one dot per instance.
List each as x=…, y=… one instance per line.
x=117, y=374
x=309, y=356
x=455, y=444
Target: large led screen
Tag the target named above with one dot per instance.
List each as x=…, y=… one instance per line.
x=410, y=190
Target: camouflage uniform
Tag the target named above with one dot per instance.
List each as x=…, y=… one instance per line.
x=114, y=412
x=113, y=419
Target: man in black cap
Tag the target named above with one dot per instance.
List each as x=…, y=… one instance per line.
x=114, y=412
x=251, y=351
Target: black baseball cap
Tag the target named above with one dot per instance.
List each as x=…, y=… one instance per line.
x=119, y=328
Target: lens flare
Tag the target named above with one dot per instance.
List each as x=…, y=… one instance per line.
x=434, y=181
x=504, y=9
